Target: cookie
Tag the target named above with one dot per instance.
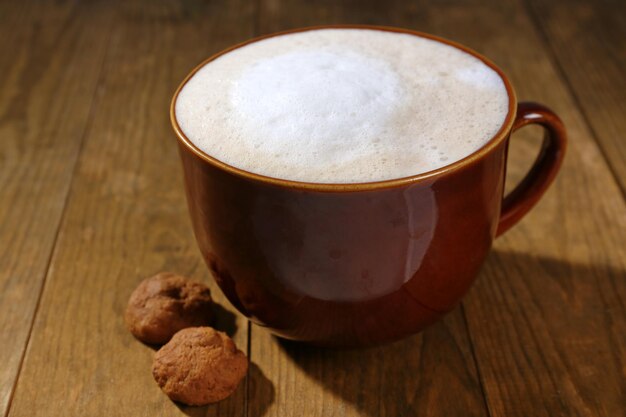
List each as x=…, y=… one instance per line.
x=166, y=303
x=199, y=366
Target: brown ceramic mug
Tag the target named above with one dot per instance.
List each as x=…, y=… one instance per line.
x=357, y=264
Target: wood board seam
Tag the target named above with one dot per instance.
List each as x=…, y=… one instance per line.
x=556, y=64
x=66, y=200
x=479, y=374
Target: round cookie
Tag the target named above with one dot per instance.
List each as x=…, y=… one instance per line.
x=199, y=366
x=166, y=303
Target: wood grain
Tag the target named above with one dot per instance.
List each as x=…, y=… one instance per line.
x=432, y=374
x=126, y=219
x=588, y=40
x=49, y=66
x=547, y=316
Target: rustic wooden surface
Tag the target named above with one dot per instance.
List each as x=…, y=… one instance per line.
x=91, y=202
x=588, y=40
x=49, y=67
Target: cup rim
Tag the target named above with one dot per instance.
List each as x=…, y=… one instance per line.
x=491, y=144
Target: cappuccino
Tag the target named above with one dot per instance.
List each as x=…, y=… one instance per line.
x=342, y=106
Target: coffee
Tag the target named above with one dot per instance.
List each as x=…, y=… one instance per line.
x=342, y=106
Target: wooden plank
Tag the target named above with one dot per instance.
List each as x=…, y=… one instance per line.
x=588, y=40
x=126, y=219
x=547, y=317
x=51, y=57
x=429, y=374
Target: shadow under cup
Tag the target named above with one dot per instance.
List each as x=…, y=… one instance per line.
x=358, y=264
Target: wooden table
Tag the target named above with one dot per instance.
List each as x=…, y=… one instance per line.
x=91, y=202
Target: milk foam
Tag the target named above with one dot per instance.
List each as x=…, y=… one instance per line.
x=342, y=106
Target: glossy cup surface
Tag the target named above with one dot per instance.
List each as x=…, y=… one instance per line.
x=347, y=264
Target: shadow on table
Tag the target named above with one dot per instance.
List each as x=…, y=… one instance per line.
x=261, y=392
x=225, y=320
x=432, y=369
x=404, y=378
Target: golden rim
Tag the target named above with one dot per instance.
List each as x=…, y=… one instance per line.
x=362, y=186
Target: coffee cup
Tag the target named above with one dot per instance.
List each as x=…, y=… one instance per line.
x=363, y=262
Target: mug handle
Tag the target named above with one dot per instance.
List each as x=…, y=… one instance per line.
x=526, y=194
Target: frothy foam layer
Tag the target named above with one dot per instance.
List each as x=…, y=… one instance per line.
x=342, y=106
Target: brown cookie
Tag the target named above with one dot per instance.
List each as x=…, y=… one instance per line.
x=166, y=303
x=199, y=366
